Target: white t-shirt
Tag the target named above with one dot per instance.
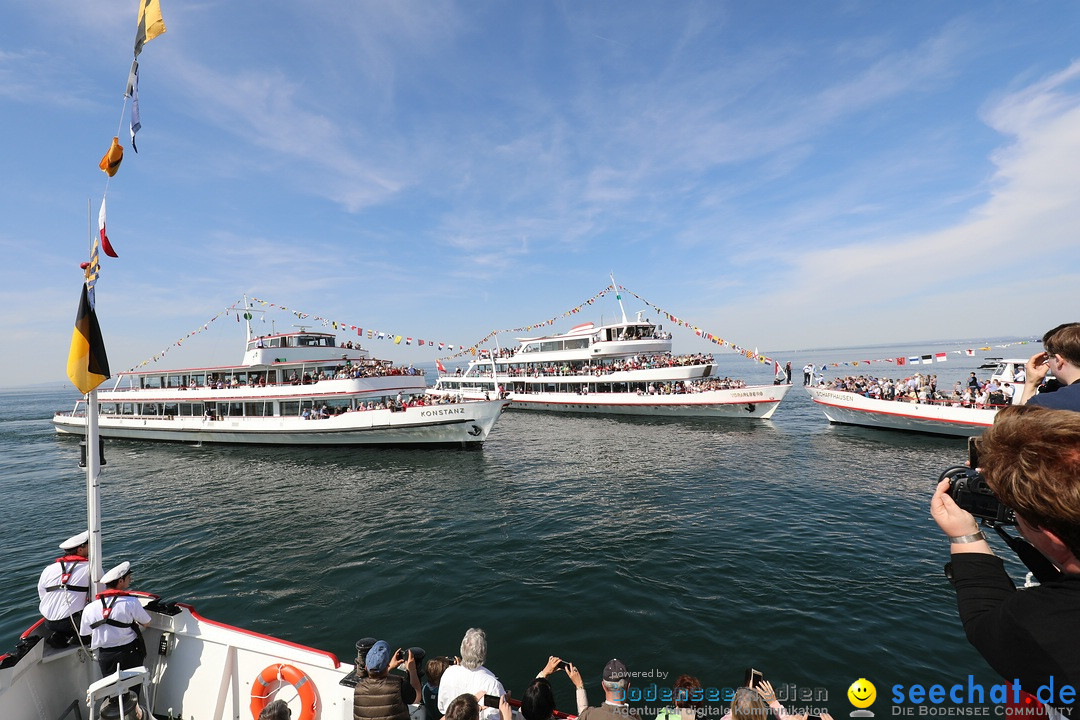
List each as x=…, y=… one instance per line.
x=125, y=609
x=59, y=604
x=460, y=680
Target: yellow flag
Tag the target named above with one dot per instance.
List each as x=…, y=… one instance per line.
x=110, y=161
x=151, y=24
x=397, y=339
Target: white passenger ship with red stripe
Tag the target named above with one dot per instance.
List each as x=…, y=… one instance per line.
x=295, y=388
x=622, y=368
x=939, y=417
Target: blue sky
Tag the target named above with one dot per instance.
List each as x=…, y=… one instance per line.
x=785, y=175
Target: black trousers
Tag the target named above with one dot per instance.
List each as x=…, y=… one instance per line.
x=126, y=656
x=64, y=630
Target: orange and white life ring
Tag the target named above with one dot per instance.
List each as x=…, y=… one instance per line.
x=262, y=689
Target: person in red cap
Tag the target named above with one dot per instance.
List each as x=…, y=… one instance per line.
x=64, y=589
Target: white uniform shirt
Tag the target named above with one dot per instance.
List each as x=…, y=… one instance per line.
x=459, y=680
x=59, y=604
x=125, y=609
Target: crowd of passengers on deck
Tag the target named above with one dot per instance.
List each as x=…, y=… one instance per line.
x=685, y=387
x=921, y=388
x=346, y=371
x=637, y=362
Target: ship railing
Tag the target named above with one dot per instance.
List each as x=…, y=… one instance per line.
x=941, y=402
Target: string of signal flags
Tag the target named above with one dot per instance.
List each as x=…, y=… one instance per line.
x=240, y=310
x=455, y=350
x=88, y=365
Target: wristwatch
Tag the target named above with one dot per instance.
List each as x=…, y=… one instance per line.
x=973, y=537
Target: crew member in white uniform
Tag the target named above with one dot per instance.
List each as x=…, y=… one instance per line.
x=113, y=620
x=63, y=590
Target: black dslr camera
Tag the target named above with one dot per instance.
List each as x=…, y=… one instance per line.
x=969, y=490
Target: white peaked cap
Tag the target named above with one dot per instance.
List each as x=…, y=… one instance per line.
x=75, y=541
x=116, y=573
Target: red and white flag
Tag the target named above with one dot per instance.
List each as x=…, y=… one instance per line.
x=969, y=353
x=105, y=244
x=941, y=357
x=439, y=365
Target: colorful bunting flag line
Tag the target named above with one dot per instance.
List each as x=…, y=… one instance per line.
x=928, y=358
x=474, y=348
x=203, y=328
x=88, y=365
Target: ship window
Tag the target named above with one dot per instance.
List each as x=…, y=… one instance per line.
x=171, y=409
x=127, y=408
x=151, y=381
x=227, y=409
x=334, y=404
x=255, y=409
x=551, y=345
x=576, y=343
x=107, y=408
x=290, y=409
x=275, y=342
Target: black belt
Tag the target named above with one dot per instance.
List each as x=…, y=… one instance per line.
x=119, y=648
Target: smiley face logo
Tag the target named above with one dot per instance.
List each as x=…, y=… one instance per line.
x=862, y=693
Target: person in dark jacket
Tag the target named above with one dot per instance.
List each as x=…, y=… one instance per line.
x=1030, y=458
x=381, y=694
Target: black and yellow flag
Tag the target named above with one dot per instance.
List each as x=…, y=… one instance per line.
x=87, y=366
x=151, y=24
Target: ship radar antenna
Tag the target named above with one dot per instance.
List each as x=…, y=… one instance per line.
x=618, y=295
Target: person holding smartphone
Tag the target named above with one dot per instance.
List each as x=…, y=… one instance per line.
x=380, y=694
x=538, y=700
x=757, y=698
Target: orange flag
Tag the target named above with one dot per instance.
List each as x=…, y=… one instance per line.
x=110, y=162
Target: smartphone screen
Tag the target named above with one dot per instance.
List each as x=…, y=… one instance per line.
x=752, y=678
x=491, y=701
x=973, y=454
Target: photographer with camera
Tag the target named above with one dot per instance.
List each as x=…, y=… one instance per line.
x=1061, y=355
x=1030, y=459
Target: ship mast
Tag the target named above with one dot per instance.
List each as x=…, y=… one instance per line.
x=247, y=318
x=93, y=490
x=618, y=295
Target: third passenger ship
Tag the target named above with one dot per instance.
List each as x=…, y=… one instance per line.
x=624, y=367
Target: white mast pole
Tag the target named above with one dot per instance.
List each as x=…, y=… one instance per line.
x=93, y=461
x=247, y=318
x=618, y=295
x=93, y=491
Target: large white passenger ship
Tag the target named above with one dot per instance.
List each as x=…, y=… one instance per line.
x=624, y=368
x=295, y=388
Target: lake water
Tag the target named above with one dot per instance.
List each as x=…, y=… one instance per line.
x=704, y=547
